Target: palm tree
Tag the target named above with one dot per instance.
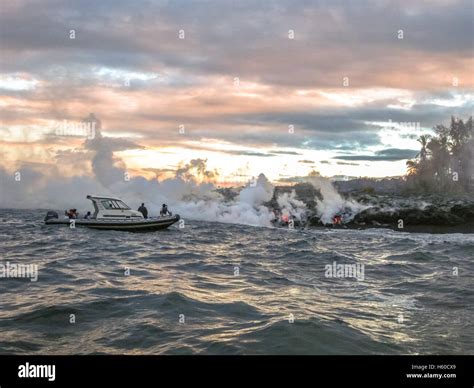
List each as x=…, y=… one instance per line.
x=450, y=150
x=423, y=154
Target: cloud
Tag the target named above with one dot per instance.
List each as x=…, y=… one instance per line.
x=346, y=164
x=391, y=154
x=285, y=152
x=128, y=63
x=248, y=153
x=228, y=39
x=195, y=168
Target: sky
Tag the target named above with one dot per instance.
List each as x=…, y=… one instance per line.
x=281, y=88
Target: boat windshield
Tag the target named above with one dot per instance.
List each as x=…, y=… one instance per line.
x=114, y=205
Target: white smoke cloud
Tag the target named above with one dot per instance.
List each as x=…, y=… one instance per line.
x=291, y=206
x=106, y=167
x=332, y=203
x=257, y=192
x=190, y=193
x=195, y=168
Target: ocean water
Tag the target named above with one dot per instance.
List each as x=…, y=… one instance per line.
x=213, y=288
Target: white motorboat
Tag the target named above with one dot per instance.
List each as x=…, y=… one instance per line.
x=113, y=214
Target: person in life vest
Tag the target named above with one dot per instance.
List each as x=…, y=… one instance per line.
x=71, y=213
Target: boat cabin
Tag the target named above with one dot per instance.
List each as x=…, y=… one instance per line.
x=112, y=208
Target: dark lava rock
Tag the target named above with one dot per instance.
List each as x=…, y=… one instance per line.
x=464, y=211
x=314, y=221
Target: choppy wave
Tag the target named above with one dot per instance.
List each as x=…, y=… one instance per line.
x=236, y=289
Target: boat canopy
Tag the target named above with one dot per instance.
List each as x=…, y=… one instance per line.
x=112, y=207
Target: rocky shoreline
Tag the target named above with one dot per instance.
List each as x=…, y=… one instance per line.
x=420, y=228
x=431, y=213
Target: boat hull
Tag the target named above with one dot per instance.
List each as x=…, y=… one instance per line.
x=148, y=225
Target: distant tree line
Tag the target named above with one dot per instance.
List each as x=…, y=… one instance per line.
x=445, y=161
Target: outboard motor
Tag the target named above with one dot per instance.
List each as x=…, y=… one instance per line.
x=50, y=215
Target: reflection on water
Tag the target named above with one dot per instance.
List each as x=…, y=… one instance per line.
x=224, y=289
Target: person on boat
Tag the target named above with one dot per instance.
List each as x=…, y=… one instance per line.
x=164, y=211
x=142, y=209
x=87, y=216
x=71, y=214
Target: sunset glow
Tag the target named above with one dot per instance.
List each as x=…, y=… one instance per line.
x=278, y=93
